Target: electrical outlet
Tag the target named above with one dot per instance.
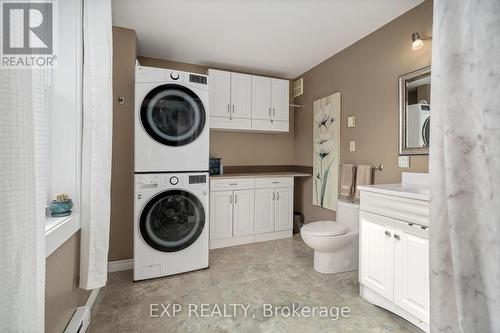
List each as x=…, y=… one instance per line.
x=352, y=145
x=404, y=161
x=351, y=121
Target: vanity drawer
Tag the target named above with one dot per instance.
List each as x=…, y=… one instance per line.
x=406, y=209
x=232, y=184
x=273, y=182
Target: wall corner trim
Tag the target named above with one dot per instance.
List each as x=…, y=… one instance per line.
x=120, y=265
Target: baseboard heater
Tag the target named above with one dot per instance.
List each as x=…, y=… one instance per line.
x=80, y=320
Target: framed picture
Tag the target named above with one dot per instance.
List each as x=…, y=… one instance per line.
x=326, y=142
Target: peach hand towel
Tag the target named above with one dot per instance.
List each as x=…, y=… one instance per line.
x=346, y=179
x=363, y=176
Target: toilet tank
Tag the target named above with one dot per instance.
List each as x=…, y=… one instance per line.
x=348, y=214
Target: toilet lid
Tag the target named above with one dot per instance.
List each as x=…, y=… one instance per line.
x=325, y=228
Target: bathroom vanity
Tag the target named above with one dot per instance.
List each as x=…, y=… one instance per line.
x=394, y=247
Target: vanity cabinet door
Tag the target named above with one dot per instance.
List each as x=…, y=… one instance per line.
x=243, y=213
x=411, y=269
x=220, y=93
x=376, y=242
x=264, y=210
x=283, y=209
x=221, y=214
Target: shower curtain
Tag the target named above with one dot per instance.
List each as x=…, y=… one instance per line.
x=96, y=146
x=465, y=167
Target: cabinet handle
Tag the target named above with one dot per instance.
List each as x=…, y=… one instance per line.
x=233, y=184
x=233, y=108
x=228, y=109
x=397, y=237
x=277, y=195
x=273, y=195
x=388, y=234
x=269, y=112
x=230, y=198
x=121, y=100
x=274, y=111
x=235, y=198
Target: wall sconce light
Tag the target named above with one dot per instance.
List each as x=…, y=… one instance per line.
x=417, y=42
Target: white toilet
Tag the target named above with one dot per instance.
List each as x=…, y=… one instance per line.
x=335, y=244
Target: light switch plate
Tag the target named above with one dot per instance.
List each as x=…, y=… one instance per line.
x=352, y=145
x=404, y=161
x=351, y=121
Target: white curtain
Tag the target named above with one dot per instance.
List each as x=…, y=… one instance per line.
x=22, y=201
x=465, y=167
x=97, y=136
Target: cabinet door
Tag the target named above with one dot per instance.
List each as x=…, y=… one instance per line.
x=243, y=223
x=411, y=269
x=264, y=210
x=376, y=242
x=261, y=97
x=280, y=99
x=283, y=209
x=241, y=95
x=220, y=93
x=221, y=214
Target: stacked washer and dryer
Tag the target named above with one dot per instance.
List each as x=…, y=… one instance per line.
x=171, y=172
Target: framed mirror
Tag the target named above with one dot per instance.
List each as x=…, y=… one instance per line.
x=415, y=112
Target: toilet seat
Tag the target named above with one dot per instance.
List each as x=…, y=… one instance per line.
x=325, y=229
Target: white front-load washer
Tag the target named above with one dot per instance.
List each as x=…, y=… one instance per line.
x=171, y=224
x=171, y=120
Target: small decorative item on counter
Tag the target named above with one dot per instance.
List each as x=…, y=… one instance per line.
x=61, y=205
x=215, y=167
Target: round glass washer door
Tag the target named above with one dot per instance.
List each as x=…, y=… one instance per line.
x=173, y=115
x=172, y=220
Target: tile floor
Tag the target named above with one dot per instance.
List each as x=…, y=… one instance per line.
x=279, y=273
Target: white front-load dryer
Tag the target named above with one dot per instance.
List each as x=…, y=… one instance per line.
x=171, y=121
x=171, y=224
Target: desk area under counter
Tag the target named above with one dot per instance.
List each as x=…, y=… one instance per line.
x=251, y=207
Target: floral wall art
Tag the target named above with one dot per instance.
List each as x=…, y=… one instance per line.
x=326, y=138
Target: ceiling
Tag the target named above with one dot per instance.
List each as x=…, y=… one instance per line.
x=283, y=38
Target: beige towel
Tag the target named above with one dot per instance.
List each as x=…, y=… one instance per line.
x=363, y=176
x=346, y=179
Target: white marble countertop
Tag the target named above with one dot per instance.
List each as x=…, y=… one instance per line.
x=261, y=175
x=412, y=191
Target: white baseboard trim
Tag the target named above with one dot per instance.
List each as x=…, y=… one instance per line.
x=92, y=297
x=255, y=238
x=120, y=265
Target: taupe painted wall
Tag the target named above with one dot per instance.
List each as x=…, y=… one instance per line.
x=122, y=174
x=366, y=74
x=240, y=148
x=62, y=295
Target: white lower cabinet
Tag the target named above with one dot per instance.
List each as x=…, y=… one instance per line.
x=243, y=210
x=250, y=210
x=264, y=210
x=394, y=260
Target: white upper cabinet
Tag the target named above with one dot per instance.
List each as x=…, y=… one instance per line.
x=280, y=99
x=243, y=102
x=219, y=93
x=261, y=98
x=241, y=95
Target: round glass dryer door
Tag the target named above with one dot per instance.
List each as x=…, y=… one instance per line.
x=172, y=220
x=172, y=115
